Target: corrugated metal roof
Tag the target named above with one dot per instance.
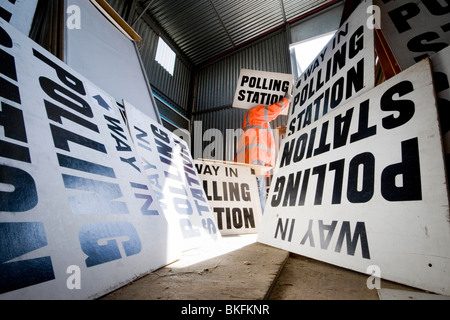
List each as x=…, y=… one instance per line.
x=204, y=29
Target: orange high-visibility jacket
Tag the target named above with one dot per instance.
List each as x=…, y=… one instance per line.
x=257, y=144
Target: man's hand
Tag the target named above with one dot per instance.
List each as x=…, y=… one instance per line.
x=288, y=95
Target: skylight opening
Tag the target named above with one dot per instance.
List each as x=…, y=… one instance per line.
x=165, y=56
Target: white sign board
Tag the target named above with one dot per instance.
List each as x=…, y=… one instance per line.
x=441, y=75
x=415, y=29
x=170, y=169
x=365, y=186
x=261, y=88
x=78, y=219
x=232, y=192
x=19, y=13
x=344, y=69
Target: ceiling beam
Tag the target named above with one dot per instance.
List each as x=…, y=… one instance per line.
x=142, y=13
x=223, y=24
x=283, y=11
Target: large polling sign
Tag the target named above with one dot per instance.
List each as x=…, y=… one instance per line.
x=232, y=192
x=77, y=217
x=171, y=172
x=343, y=69
x=415, y=29
x=261, y=87
x=365, y=186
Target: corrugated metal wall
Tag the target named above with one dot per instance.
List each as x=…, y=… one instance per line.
x=176, y=89
x=216, y=85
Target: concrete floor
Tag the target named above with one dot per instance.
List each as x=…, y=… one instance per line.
x=236, y=268
x=239, y=268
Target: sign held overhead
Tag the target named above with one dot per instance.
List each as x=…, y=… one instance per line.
x=260, y=87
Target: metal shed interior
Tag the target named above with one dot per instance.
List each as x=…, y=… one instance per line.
x=213, y=40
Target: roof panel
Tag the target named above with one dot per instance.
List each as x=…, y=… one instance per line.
x=204, y=29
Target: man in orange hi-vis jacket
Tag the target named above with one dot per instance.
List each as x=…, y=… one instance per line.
x=257, y=145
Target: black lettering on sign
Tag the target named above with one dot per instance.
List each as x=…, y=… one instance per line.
x=399, y=182
x=209, y=225
x=141, y=139
x=11, y=119
x=401, y=15
x=118, y=134
x=85, y=166
x=317, y=95
x=23, y=195
x=105, y=242
x=228, y=191
x=402, y=181
x=18, y=239
x=62, y=137
x=405, y=108
x=363, y=193
x=56, y=114
x=100, y=198
x=66, y=78
x=235, y=218
x=206, y=169
x=148, y=199
x=345, y=234
x=283, y=228
x=427, y=42
x=8, y=90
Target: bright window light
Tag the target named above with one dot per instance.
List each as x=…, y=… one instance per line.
x=165, y=56
x=306, y=51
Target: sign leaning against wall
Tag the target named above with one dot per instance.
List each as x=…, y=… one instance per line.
x=365, y=185
x=232, y=192
x=170, y=169
x=344, y=69
x=78, y=219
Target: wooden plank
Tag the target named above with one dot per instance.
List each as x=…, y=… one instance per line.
x=116, y=19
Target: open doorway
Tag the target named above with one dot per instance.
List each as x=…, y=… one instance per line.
x=304, y=52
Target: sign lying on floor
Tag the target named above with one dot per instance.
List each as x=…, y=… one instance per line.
x=261, y=87
x=343, y=70
x=170, y=169
x=365, y=185
x=232, y=192
x=78, y=218
x=415, y=29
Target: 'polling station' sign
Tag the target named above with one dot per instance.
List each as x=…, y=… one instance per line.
x=261, y=88
x=232, y=192
x=415, y=29
x=78, y=218
x=343, y=70
x=365, y=185
x=170, y=169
